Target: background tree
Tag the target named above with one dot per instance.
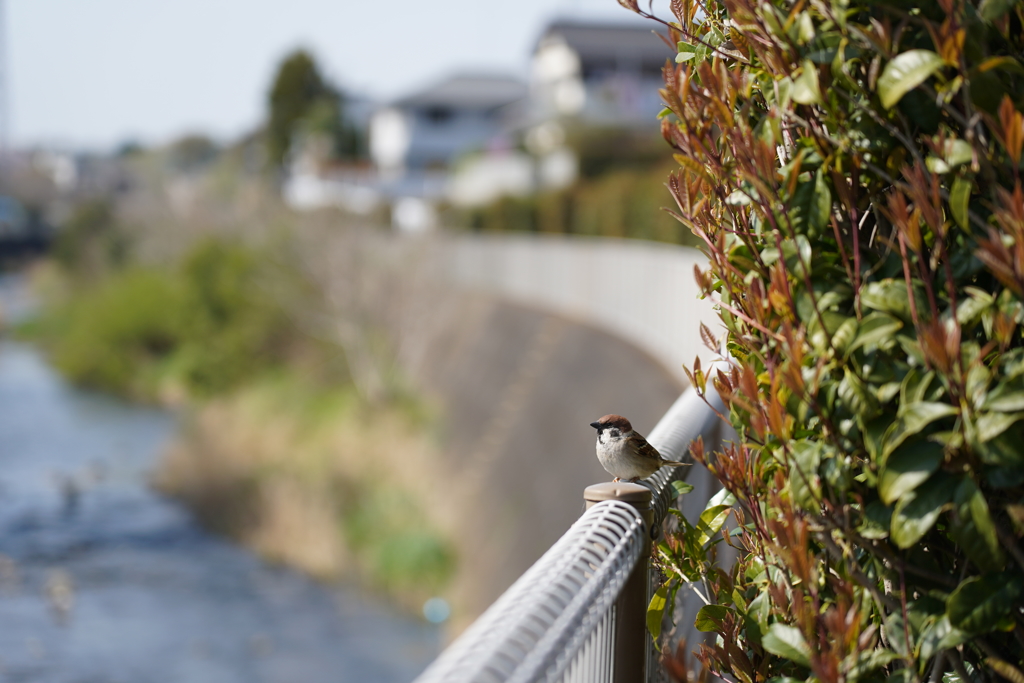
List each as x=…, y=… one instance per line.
x=853, y=168
x=301, y=102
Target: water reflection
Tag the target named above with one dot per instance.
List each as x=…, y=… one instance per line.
x=102, y=580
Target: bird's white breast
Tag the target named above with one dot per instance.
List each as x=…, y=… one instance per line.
x=615, y=456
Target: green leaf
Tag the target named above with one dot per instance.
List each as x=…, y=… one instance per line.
x=889, y=296
x=959, y=197
x=970, y=309
x=862, y=663
x=1003, y=451
x=656, y=611
x=915, y=387
x=991, y=10
x=973, y=528
x=956, y=152
x=723, y=497
x=991, y=425
x=808, y=211
x=876, y=521
x=874, y=436
x=759, y=608
x=804, y=483
x=685, y=51
x=905, y=72
x=787, y=642
x=873, y=330
x=908, y=467
x=844, y=335
x=858, y=398
x=1007, y=397
x=709, y=618
x=805, y=86
x=936, y=165
x=940, y=635
x=711, y=521
x=918, y=511
x=681, y=488
x=785, y=87
x=822, y=201
x=897, y=629
x=913, y=419
x=980, y=603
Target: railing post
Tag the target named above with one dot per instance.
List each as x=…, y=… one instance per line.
x=630, y=648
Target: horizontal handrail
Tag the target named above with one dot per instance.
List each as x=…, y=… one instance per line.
x=530, y=632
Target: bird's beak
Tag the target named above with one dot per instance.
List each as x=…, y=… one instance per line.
x=595, y=425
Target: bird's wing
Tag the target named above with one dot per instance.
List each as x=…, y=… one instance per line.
x=646, y=450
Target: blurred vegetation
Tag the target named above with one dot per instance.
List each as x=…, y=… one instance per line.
x=203, y=326
x=603, y=150
x=90, y=241
x=623, y=200
x=192, y=152
x=330, y=502
x=302, y=104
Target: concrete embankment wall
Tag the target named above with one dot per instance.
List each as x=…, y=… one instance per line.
x=540, y=338
x=643, y=292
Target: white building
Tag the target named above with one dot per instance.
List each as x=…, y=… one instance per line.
x=598, y=73
x=430, y=129
x=469, y=139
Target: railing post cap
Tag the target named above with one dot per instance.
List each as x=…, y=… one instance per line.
x=634, y=494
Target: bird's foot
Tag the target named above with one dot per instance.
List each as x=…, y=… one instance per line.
x=634, y=480
x=615, y=480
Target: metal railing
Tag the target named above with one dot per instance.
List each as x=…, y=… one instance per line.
x=578, y=614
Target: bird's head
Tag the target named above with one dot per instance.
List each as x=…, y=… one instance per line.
x=614, y=425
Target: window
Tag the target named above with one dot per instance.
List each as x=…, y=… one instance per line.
x=438, y=115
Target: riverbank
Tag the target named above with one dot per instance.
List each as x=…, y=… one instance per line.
x=281, y=447
x=102, y=579
x=313, y=478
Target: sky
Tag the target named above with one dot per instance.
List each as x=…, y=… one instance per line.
x=100, y=73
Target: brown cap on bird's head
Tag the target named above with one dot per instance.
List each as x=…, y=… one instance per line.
x=613, y=421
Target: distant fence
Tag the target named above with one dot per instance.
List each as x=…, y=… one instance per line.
x=644, y=292
x=578, y=615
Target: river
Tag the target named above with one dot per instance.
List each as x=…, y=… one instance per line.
x=104, y=580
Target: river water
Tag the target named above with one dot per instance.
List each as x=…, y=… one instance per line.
x=103, y=580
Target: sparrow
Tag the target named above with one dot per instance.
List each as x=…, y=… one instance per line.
x=624, y=452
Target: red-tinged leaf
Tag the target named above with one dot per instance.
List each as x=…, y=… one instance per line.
x=708, y=338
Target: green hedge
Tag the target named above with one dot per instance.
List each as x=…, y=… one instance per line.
x=619, y=203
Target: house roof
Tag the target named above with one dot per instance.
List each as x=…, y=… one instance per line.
x=475, y=91
x=612, y=44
